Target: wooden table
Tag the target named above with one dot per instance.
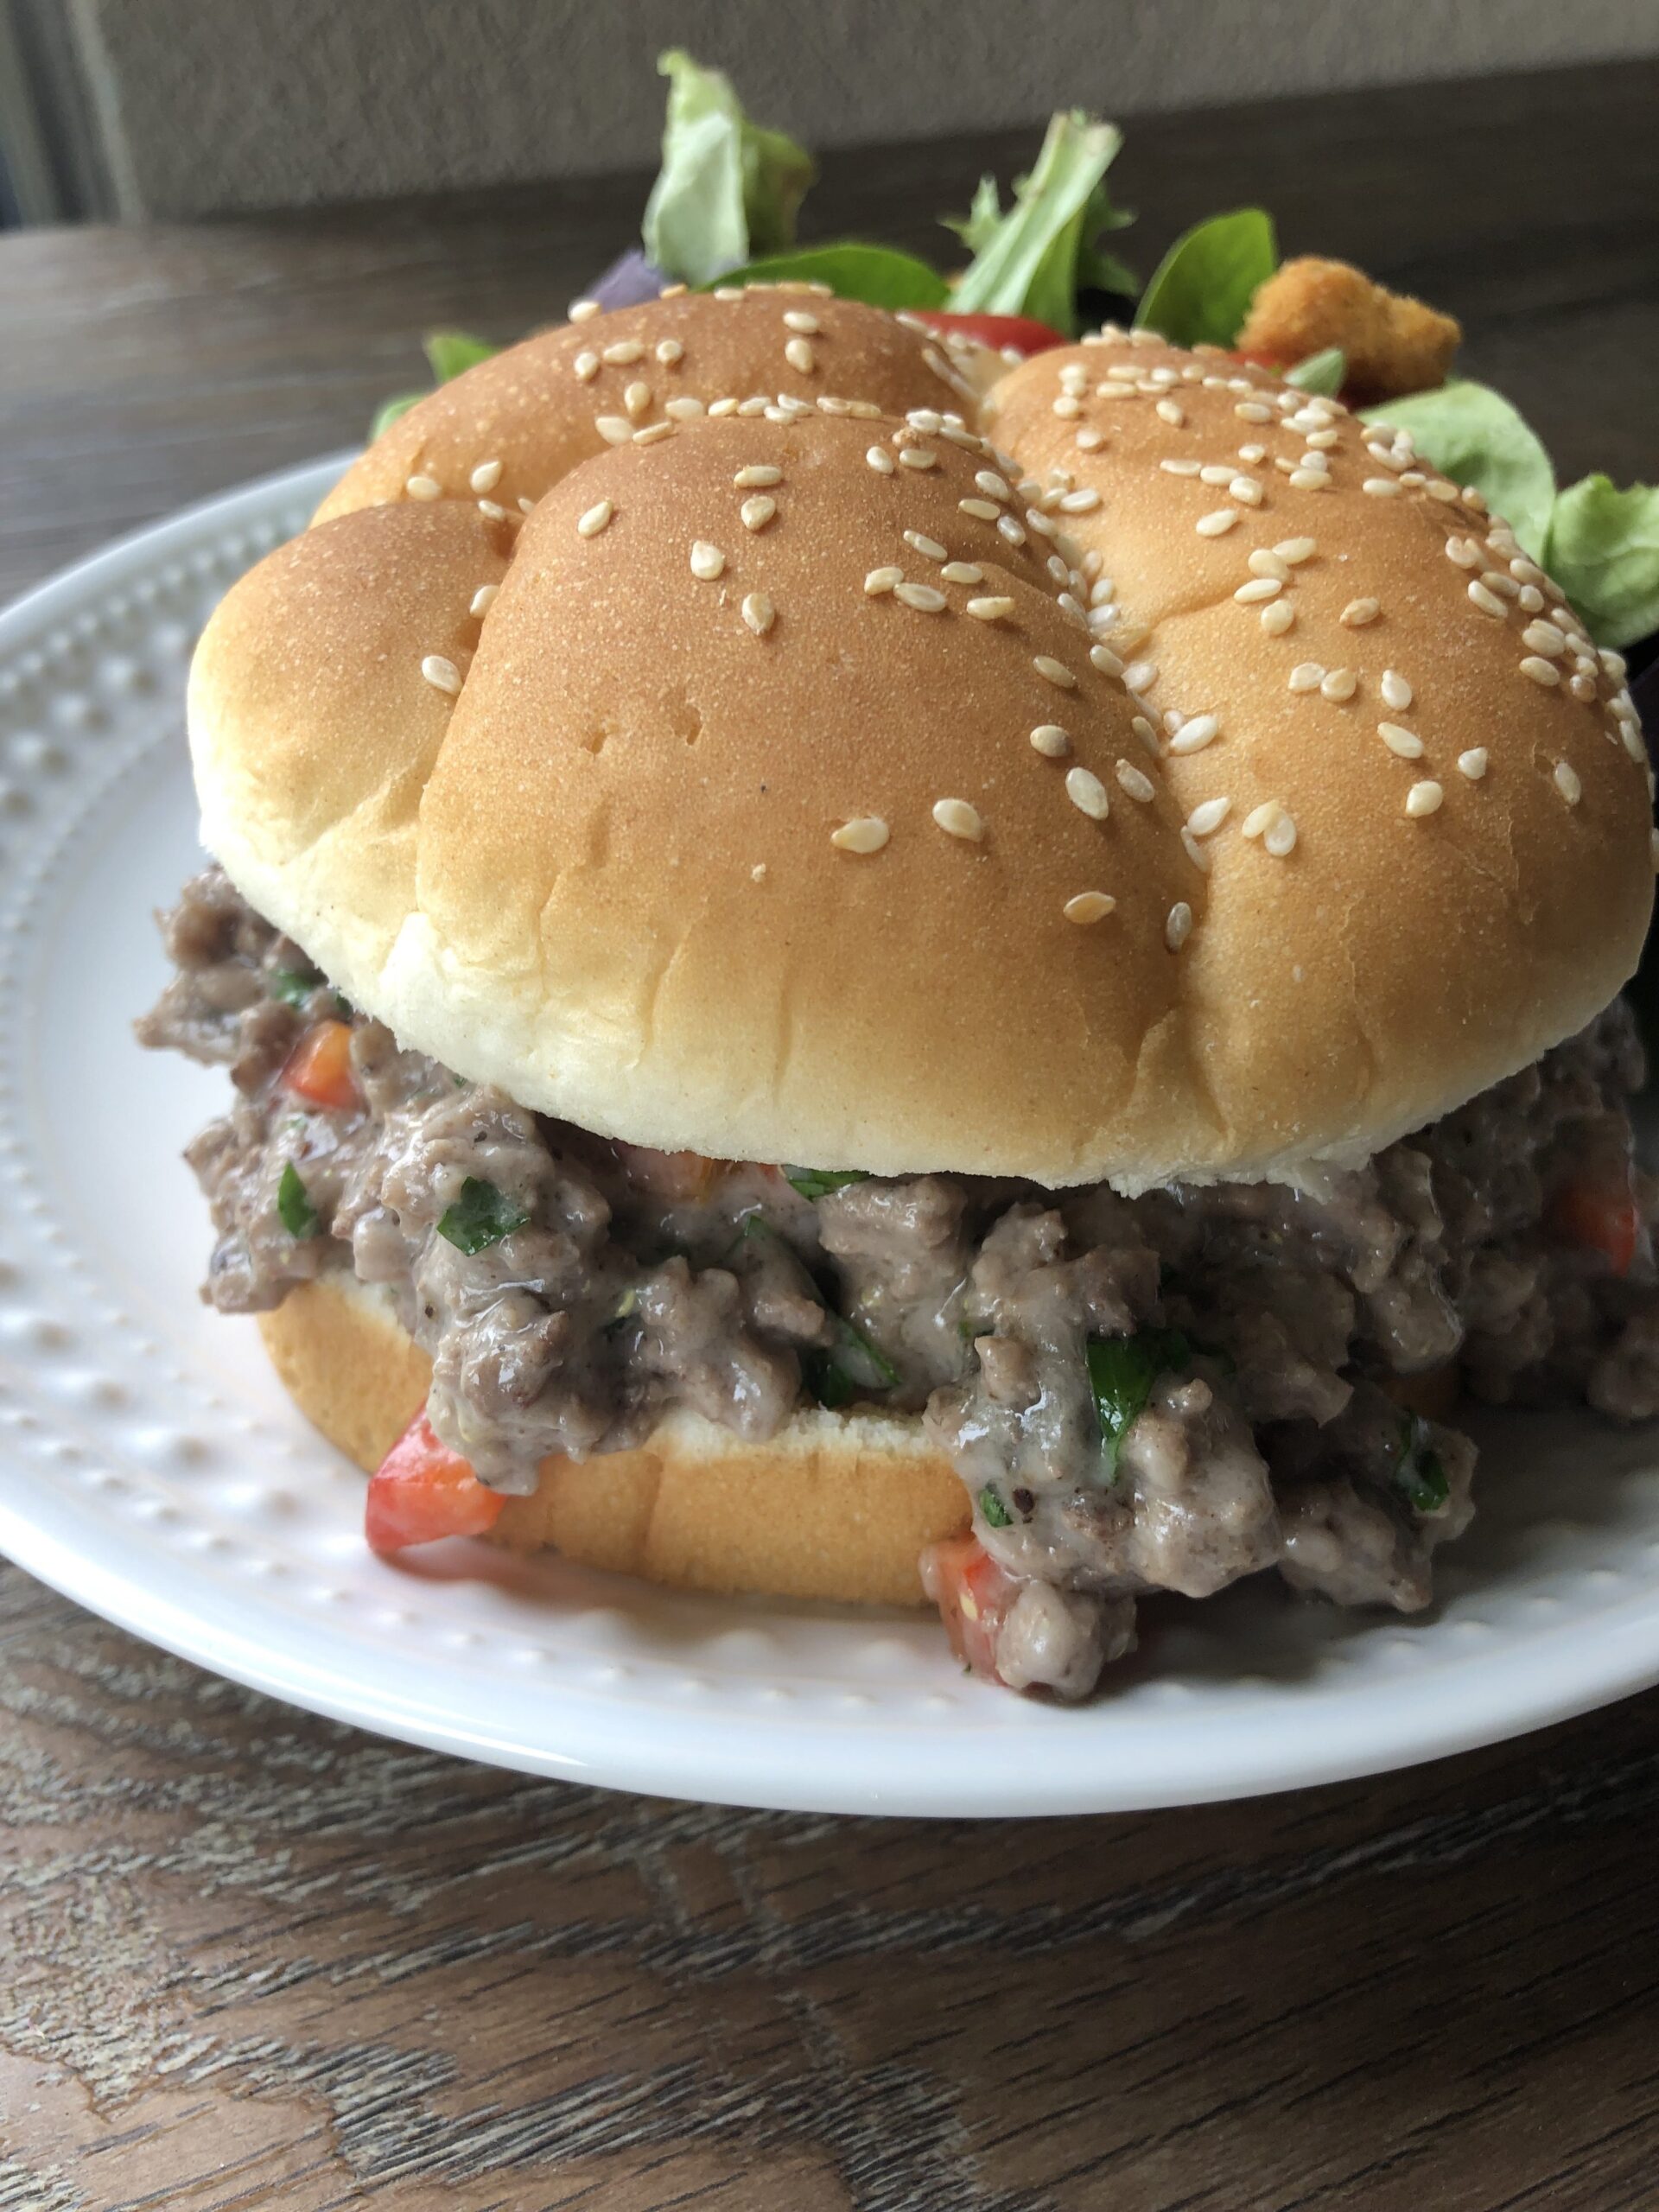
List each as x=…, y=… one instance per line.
x=249, y=1959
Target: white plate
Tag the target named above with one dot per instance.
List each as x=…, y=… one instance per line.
x=151, y=1467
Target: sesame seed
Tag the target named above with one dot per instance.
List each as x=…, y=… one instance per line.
x=756, y=476
x=1541, y=671
x=799, y=355
x=719, y=409
x=1258, y=588
x=1254, y=454
x=1306, y=676
x=993, y=485
x=483, y=598
x=1260, y=818
x=1087, y=793
x=586, y=366
x=441, y=673
x=1405, y=742
x=492, y=511
x=1008, y=527
x=1379, y=487
x=1279, y=838
x=929, y=546
x=582, y=310
x=758, y=612
x=1311, y=479
x=1178, y=927
x=670, y=349
x=1068, y=407
x=423, y=487
x=1423, y=799
x=1208, y=816
x=1496, y=581
x=958, y=819
x=1082, y=501
x=1089, y=906
x=1195, y=733
x=1253, y=411
x=799, y=319
x=1246, y=491
x=636, y=399
x=1217, y=522
x=879, y=460
x=880, y=580
x=1089, y=440
x=594, y=520
x=1544, y=637
x=624, y=351
x=1295, y=551
x=1396, y=692
x=1278, y=617
x=961, y=572
x=1144, y=730
x=1140, y=675
x=923, y=597
x=1268, y=566
x=864, y=833
x=685, y=408
x=708, y=562
x=1566, y=782
x=919, y=457
x=755, y=513
x=1180, y=467
x=655, y=433
x=1039, y=522
x=1051, y=740
x=1339, y=684
x=615, y=429
x=1358, y=612
x=1105, y=660
x=1463, y=551
x=1055, y=671
x=989, y=610
x=1217, y=472
x=1169, y=412
x=1195, y=852
x=1320, y=440
x=486, y=476
x=1473, y=763
x=1487, y=601
x=981, y=510
x=1137, y=785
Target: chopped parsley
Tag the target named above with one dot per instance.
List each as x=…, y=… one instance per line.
x=992, y=1511
x=1122, y=1373
x=294, y=986
x=819, y=1182
x=1419, y=1474
x=481, y=1217
x=294, y=1207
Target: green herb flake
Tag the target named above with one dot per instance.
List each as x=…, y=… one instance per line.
x=481, y=1217
x=992, y=1511
x=817, y=1183
x=1419, y=1474
x=1122, y=1373
x=293, y=986
x=294, y=1207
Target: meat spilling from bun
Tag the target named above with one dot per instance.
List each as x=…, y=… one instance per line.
x=1100, y=844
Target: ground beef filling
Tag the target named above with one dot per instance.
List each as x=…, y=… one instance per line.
x=1161, y=1393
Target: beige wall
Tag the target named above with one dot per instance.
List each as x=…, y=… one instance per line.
x=206, y=105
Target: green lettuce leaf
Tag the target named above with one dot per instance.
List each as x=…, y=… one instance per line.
x=1032, y=260
x=726, y=189
x=1201, y=290
x=879, y=275
x=979, y=226
x=1472, y=435
x=1603, y=549
x=1323, y=371
x=450, y=353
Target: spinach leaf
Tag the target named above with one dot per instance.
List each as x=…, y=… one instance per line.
x=819, y=1182
x=1201, y=290
x=1418, y=1474
x=1603, y=549
x=1472, y=435
x=294, y=1207
x=879, y=275
x=726, y=188
x=1122, y=1373
x=481, y=1217
x=1033, y=260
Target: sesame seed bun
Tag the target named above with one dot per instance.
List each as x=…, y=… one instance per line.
x=743, y=819
x=837, y=1506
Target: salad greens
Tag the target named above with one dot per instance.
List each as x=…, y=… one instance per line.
x=879, y=275
x=481, y=1217
x=1201, y=290
x=1037, y=258
x=1326, y=371
x=727, y=190
x=1600, y=543
x=449, y=352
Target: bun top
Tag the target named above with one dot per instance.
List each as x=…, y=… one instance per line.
x=778, y=802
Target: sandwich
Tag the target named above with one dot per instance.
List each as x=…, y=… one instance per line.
x=854, y=971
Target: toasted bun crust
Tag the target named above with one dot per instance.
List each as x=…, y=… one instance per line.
x=604, y=878
x=839, y=1506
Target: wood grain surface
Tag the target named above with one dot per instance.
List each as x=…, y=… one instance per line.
x=252, y=1959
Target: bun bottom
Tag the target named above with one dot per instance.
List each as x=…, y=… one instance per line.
x=836, y=1505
